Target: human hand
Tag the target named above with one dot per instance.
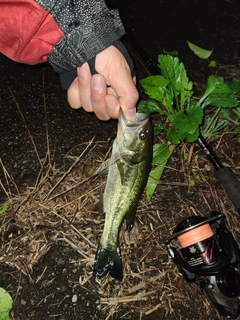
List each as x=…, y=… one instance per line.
x=104, y=92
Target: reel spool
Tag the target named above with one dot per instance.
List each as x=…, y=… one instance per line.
x=199, y=246
x=202, y=251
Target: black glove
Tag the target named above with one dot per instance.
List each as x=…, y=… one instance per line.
x=67, y=77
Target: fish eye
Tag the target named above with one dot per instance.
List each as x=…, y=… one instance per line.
x=142, y=135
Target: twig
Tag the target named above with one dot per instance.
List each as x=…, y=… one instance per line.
x=69, y=170
x=25, y=122
x=126, y=299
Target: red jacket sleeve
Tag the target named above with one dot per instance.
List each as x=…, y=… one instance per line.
x=28, y=33
x=66, y=33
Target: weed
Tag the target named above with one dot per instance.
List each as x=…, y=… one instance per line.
x=5, y=304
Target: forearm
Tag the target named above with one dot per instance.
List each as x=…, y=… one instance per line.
x=66, y=33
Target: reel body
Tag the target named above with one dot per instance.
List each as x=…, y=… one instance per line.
x=212, y=259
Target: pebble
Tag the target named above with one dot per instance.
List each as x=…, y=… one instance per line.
x=74, y=298
x=23, y=302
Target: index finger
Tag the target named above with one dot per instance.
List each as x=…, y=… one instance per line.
x=125, y=87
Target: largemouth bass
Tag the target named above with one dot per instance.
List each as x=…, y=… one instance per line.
x=128, y=171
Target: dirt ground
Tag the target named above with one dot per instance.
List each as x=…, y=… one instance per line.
x=50, y=232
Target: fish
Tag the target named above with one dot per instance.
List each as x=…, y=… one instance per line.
x=128, y=171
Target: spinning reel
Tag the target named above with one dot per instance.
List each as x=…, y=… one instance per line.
x=211, y=258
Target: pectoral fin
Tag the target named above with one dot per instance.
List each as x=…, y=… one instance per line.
x=103, y=168
x=99, y=206
x=120, y=170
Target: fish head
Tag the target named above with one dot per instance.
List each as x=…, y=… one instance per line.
x=135, y=136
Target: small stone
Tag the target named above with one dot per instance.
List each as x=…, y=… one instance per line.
x=74, y=298
x=99, y=307
x=23, y=302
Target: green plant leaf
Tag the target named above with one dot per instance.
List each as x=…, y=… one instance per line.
x=213, y=64
x=5, y=304
x=235, y=86
x=174, y=71
x=215, y=85
x=216, y=122
x=4, y=208
x=237, y=111
x=189, y=137
x=220, y=100
x=188, y=121
x=156, y=88
x=172, y=136
x=161, y=155
x=158, y=128
x=149, y=106
x=172, y=53
x=153, y=180
x=200, y=52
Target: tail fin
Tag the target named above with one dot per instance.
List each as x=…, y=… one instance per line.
x=108, y=260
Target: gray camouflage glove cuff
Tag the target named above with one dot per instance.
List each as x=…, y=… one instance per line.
x=88, y=28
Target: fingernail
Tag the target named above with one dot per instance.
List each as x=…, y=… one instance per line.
x=130, y=114
x=97, y=84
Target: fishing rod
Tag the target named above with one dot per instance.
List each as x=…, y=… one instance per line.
x=209, y=253
x=224, y=175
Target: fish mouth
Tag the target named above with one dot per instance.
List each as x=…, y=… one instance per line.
x=140, y=120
